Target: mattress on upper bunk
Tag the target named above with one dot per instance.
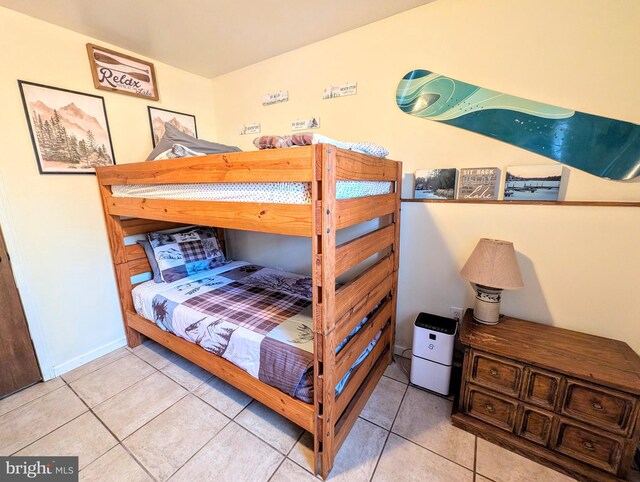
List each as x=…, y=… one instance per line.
x=259, y=319
x=258, y=192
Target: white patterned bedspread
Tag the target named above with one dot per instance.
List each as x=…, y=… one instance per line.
x=259, y=192
x=257, y=318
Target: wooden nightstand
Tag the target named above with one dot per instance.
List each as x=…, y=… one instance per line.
x=562, y=398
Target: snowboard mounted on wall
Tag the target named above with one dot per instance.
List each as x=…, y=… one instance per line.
x=601, y=146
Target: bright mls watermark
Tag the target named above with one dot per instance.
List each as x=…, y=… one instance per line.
x=52, y=469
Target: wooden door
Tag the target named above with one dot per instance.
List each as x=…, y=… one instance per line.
x=17, y=356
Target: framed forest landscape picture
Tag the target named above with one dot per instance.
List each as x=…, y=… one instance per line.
x=69, y=130
x=122, y=73
x=435, y=184
x=183, y=122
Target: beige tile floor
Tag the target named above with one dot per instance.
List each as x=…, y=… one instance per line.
x=147, y=414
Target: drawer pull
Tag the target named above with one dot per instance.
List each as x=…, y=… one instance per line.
x=494, y=373
x=597, y=405
x=489, y=408
x=588, y=445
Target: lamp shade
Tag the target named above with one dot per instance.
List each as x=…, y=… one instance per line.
x=493, y=263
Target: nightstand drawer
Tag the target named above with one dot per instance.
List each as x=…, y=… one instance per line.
x=593, y=447
x=541, y=388
x=491, y=408
x=535, y=425
x=604, y=408
x=496, y=373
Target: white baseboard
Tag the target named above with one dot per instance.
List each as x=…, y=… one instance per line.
x=398, y=350
x=87, y=357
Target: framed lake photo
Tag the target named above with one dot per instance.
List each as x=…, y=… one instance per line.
x=435, y=184
x=69, y=130
x=533, y=183
x=122, y=73
x=183, y=122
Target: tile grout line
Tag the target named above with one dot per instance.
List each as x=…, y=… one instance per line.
x=203, y=446
x=406, y=385
x=113, y=434
x=384, y=445
x=475, y=457
x=432, y=451
x=277, y=468
x=93, y=371
x=115, y=394
x=264, y=441
x=300, y=465
x=48, y=433
x=33, y=399
x=121, y=442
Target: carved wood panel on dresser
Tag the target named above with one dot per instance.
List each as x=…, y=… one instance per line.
x=562, y=398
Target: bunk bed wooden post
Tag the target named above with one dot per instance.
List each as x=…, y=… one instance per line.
x=120, y=265
x=324, y=279
x=396, y=254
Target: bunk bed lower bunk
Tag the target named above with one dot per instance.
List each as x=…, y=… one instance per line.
x=348, y=329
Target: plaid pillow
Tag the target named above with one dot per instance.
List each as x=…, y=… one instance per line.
x=186, y=252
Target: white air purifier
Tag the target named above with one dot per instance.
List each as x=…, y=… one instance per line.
x=433, y=342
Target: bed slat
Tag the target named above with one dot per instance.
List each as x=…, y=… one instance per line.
x=134, y=251
x=131, y=227
x=295, y=410
x=292, y=219
x=139, y=266
x=360, y=209
x=352, y=350
x=359, y=399
x=353, y=317
x=276, y=165
x=362, y=285
x=357, y=250
x=360, y=374
x=353, y=166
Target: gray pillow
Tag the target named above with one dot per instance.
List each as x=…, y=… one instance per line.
x=146, y=245
x=174, y=136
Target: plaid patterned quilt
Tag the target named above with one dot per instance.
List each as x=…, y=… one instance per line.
x=257, y=318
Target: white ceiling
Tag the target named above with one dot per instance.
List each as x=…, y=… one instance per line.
x=211, y=37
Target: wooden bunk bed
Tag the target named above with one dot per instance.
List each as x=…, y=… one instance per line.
x=335, y=311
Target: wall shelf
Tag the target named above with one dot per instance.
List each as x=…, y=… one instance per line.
x=529, y=203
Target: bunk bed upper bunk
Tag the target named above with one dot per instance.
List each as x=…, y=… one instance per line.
x=294, y=165
x=336, y=311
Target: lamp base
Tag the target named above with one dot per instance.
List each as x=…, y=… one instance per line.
x=487, y=305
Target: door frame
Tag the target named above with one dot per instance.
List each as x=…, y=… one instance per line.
x=17, y=261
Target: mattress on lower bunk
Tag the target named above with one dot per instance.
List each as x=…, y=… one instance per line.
x=259, y=192
x=259, y=319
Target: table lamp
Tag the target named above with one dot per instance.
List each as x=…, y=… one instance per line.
x=491, y=268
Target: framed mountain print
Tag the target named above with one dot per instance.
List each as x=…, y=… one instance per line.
x=69, y=130
x=183, y=122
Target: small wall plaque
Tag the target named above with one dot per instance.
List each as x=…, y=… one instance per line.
x=275, y=98
x=350, y=88
x=303, y=124
x=479, y=183
x=249, y=129
x=122, y=73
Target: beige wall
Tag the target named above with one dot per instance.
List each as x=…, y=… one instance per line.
x=53, y=223
x=580, y=264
